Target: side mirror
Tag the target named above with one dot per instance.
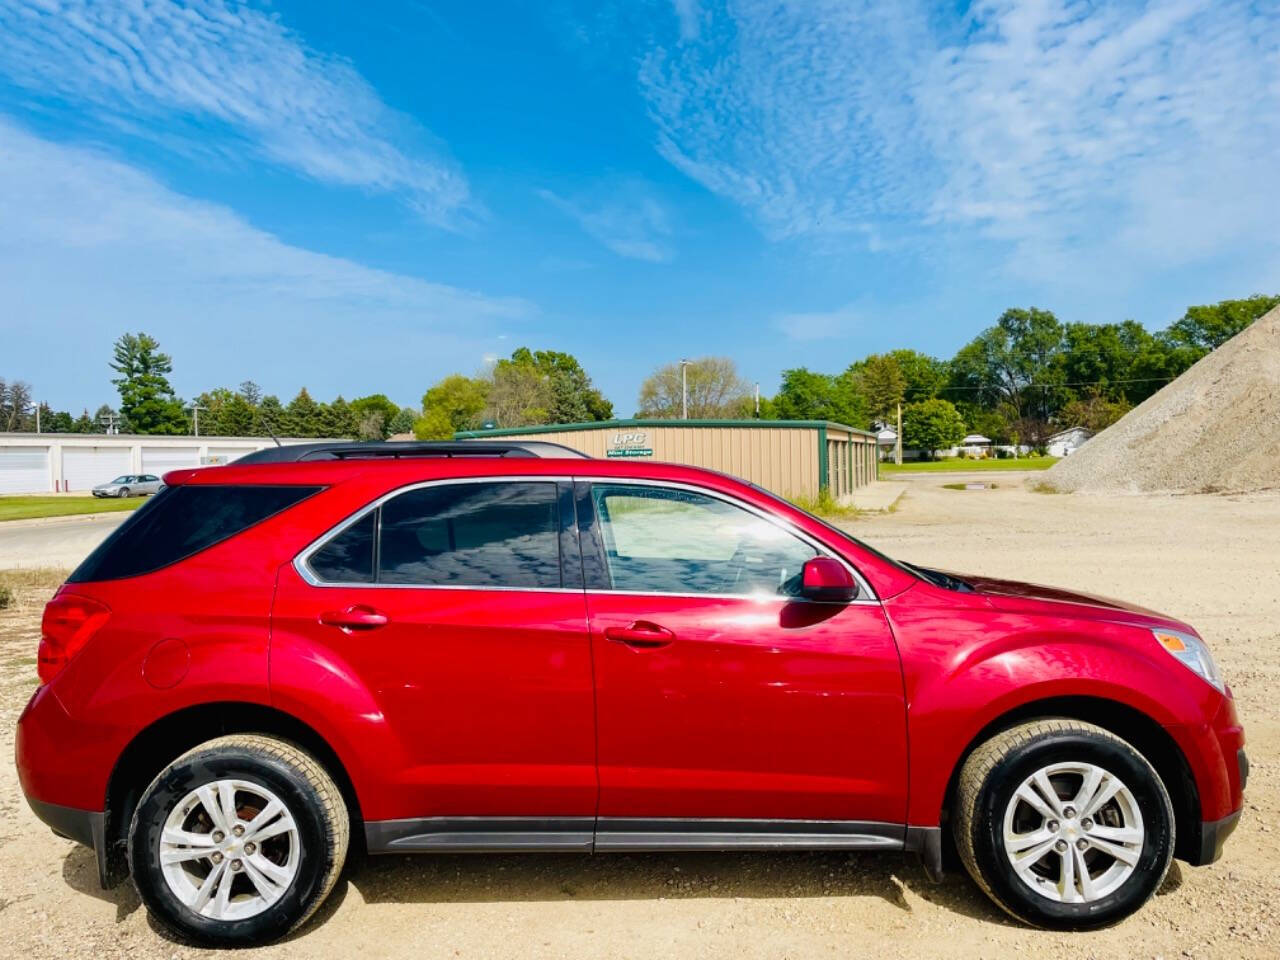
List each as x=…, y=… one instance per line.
x=828, y=580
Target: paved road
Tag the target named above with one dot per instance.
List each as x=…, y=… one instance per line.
x=62, y=542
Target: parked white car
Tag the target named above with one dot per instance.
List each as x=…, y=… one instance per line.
x=129, y=485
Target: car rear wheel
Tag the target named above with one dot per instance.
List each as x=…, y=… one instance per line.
x=238, y=841
x=1063, y=824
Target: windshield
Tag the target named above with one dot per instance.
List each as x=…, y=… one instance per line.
x=125, y=479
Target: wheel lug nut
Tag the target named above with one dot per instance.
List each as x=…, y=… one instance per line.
x=1054, y=826
x=217, y=857
x=1060, y=846
x=249, y=849
x=238, y=830
x=1082, y=844
x=1069, y=812
x=218, y=836
x=236, y=864
x=1086, y=823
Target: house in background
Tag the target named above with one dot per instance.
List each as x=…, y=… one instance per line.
x=975, y=445
x=1066, y=442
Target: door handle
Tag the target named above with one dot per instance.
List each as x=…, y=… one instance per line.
x=641, y=635
x=355, y=617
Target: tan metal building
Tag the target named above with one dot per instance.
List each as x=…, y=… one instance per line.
x=790, y=457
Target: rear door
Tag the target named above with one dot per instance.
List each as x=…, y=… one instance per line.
x=722, y=696
x=459, y=605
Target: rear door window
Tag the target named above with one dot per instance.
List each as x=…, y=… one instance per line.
x=179, y=522
x=499, y=534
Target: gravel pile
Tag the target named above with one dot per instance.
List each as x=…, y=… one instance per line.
x=1216, y=429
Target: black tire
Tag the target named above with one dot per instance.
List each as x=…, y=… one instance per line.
x=994, y=772
x=124, y=492
x=308, y=793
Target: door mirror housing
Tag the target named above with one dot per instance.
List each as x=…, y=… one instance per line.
x=828, y=580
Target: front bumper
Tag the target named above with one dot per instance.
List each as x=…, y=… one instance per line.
x=1213, y=834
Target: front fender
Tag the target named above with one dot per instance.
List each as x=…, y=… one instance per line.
x=965, y=671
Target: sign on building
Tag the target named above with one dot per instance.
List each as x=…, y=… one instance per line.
x=629, y=444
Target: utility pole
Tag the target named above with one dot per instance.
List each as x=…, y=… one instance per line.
x=195, y=416
x=110, y=419
x=37, y=418
x=684, y=390
x=757, y=399
x=898, y=449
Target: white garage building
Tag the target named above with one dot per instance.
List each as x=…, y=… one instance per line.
x=77, y=462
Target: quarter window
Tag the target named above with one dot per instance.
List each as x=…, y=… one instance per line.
x=663, y=540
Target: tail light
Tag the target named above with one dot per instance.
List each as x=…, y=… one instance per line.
x=69, y=621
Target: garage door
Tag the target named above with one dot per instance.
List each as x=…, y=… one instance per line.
x=159, y=460
x=24, y=470
x=83, y=468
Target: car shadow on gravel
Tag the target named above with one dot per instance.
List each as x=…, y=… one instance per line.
x=484, y=878
x=80, y=871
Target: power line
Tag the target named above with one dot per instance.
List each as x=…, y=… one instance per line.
x=1076, y=383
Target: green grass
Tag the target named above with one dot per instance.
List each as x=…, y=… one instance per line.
x=25, y=508
x=825, y=505
x=958, y=465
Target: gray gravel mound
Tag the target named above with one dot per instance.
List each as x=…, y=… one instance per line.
x=1216, y=429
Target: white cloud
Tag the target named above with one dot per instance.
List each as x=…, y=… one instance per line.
x=621, y=215
x=687, y=13
x=92, y=247
x=1073, y=132
x=828, y=325
x=233, y=71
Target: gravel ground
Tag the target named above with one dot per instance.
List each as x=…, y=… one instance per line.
x=1208, y=559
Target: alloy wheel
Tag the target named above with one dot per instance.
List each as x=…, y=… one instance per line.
x=1073, y=832
x=229, y=849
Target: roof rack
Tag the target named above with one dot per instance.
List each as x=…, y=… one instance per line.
x=400, y=450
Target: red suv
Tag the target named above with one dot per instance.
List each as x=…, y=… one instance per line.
x=497, y=647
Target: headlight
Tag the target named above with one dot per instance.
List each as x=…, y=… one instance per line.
x=1191, y=652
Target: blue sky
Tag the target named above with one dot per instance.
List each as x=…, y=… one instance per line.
x=365, y=197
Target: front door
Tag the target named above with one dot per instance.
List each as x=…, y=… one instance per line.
x=721, y=695
x=459, y=607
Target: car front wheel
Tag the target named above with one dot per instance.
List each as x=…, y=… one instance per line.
x=238, y=841
x=1063, y=824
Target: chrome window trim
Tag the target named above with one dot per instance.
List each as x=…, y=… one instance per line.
x=866, y=596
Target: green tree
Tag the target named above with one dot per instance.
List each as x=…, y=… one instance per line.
x=715, y=390
x=572, y=397
x=434, y=424
x=146, y=398
x=456, y=400
x=336, y=419
x=403, y=421
x=807, y=395
x=84, y=424
x=1017, y=364
x=374, y=415
x=884, y=386
x=302, y=416
x=1093, y=409
x=931, y=425
x=270, y=418
x=923, y=376
x=519, y=396
x=1206, y=328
